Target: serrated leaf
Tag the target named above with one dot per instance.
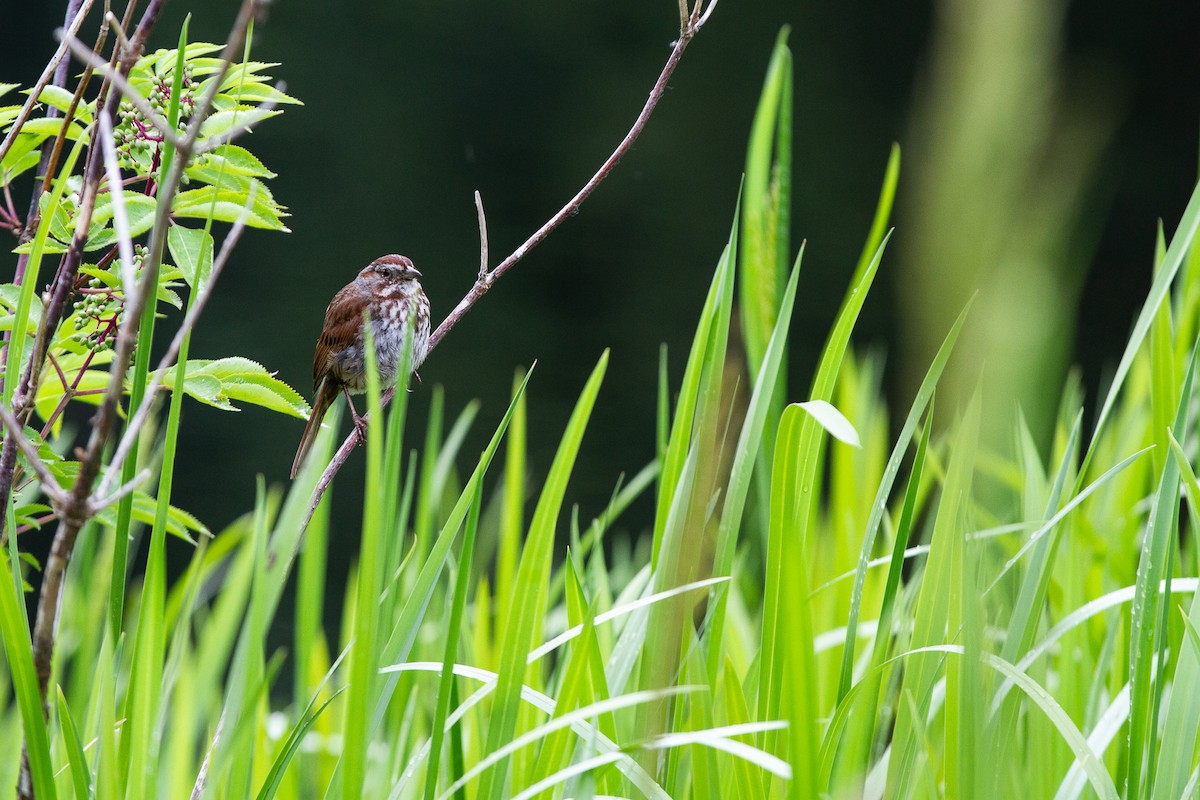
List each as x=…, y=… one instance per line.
x=208, y=390
x=235, y=119
x=179, y=522
x=192, y=250
x=57, y=97
x=270, y=393
x=139, y=209
x=47, y=127
x=233, y=160
x=832, y=420
x=228, y=207
x=255, y=92
x=219, y=382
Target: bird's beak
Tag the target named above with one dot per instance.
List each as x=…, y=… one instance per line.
x=411, y=272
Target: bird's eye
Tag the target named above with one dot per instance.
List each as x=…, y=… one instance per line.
x=386, y=272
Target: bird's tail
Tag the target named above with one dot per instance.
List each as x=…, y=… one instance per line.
x=325, y=397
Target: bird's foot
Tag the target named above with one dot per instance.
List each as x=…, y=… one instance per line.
x=360, y=425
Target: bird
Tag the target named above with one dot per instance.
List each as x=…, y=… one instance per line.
x=387, y=292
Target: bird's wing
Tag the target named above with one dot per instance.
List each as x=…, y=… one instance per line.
x=343, y=322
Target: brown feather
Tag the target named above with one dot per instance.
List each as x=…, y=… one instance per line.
x=343, y=322
x=322, y=399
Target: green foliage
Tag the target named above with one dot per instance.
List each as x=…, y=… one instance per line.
x=229, y=186
x=820, y=608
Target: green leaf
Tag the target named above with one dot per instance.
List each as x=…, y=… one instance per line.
x=18, y=650
x=218, y=383
x=179, y=522
x=228, y=205
x=237, y=119
x=231, y=158
x=192, y=250
x=47, y=127
x=80, y=777
x=139, y=210
x=60, y=98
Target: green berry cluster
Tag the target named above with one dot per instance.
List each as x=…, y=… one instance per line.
x=136, y=137
x=100, y=310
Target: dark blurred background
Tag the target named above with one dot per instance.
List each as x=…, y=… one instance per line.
x=1041, y=144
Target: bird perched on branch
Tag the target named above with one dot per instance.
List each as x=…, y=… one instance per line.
x=389, y=294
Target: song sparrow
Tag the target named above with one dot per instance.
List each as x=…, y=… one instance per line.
x=389, y=294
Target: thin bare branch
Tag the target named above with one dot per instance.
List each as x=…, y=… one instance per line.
x=690, y=24
x=36, y=92
x=483, y=237
x=111, y=20
x=99, y=502
x=49, y=484
x=85, y=54
x=75, y=510
x=64, y=280
x=138, y=419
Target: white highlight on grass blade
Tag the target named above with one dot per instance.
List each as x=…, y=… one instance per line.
x=1101, y=737
x=579, y=715
x=120, y=217
x=577, y=720
x=628, y=608
x=1076, y=500
x=1082, y=615
x=631, y=769
x=832, y=420
x=718, y=739
x=837, y=637
x=1097, y=775
x=923, y=549
x=564, y=775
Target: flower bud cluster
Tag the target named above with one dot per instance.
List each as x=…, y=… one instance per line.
x=100, y=311
x=136, y=137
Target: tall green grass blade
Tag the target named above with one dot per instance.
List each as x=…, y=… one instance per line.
x=527, y=617
x=1182, y=723
x=18, y=650
x=461, y=585
x=810, y=447
x=765, y=207
x=81, y=779
x=364, y=648
x=883, y=211
x=744, y=460
x=714, y=316
x=792, y=662
x=1181, y=242
x=923, y=398
x=404, y=631
x=151, y=266
x=291, y=746
x=933, y=613
x=142, y=709
x=512, y=525
x=1146, y=630
x=544, y=703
